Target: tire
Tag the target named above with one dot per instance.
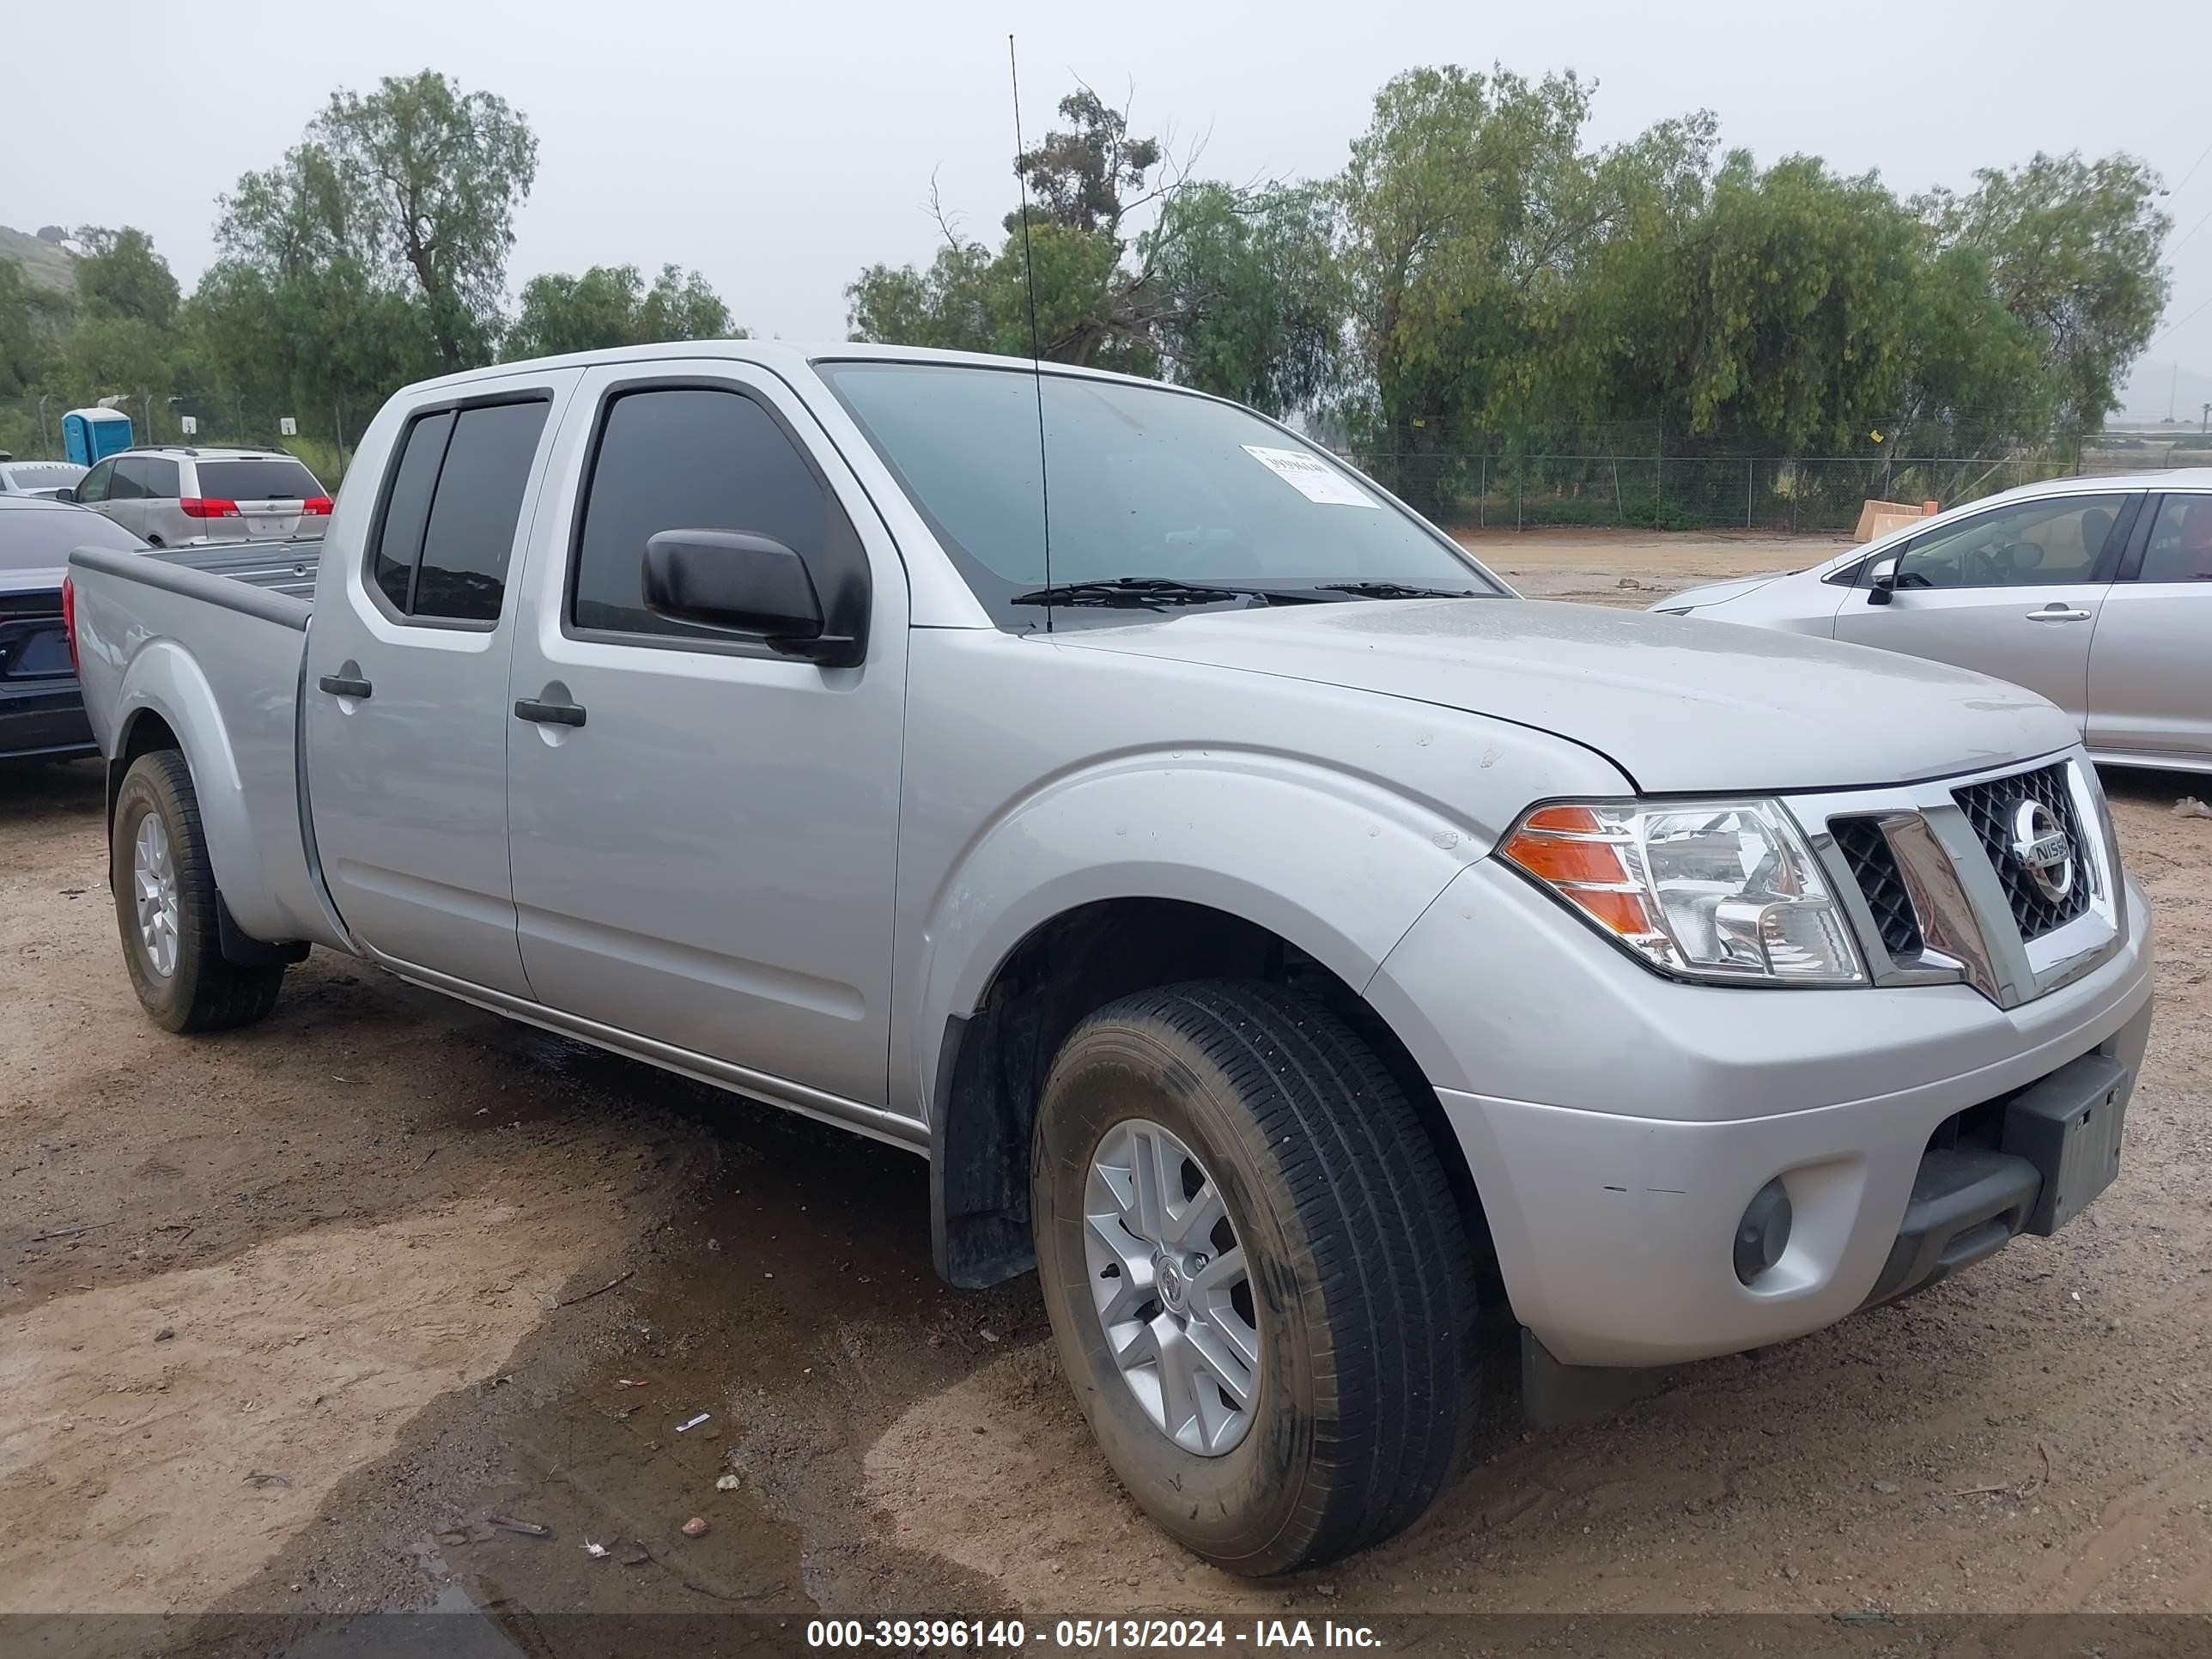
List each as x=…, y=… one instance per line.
x=1359, y=1282
x=200, y=990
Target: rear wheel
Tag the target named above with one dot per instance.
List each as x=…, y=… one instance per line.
x=1258, y=1281
x=166, y=906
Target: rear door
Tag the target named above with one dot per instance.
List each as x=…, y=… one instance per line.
x=2012, y=593
x=2150, y=664
x=126, y=494
x=407, y=720
x=159, y=521
x=268, y=499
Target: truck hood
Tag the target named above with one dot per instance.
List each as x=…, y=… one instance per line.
x=1678, y=704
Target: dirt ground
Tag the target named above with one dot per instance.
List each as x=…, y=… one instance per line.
x=285, y=1315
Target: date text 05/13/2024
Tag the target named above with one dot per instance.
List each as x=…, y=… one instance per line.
x=1085, y=1635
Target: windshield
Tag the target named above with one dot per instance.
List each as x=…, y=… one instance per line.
x=1146, y=485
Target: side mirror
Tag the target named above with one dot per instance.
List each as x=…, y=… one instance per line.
x=748, y=583
x=1881, y=581
x=66, y=493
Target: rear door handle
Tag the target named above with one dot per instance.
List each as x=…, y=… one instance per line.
x=339, y=686
x=548, y=713
x=2057, y=612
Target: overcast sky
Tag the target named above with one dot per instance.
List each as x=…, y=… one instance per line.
x=778, y=148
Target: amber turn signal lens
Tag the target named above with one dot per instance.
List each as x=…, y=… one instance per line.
x=1567, y=848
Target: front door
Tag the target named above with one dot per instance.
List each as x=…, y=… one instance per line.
x=708, y=860
x=406, y=686
x=2013, y=592
x=2150, y=664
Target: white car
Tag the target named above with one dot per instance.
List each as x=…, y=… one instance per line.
x=46, y=479
x=2096, y=592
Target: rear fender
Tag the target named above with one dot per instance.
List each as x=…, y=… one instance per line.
x=248, y=856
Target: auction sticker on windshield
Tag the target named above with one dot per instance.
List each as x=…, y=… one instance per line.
x=1309, y=477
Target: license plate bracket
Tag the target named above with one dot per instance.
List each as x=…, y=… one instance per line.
x=2069, y=1126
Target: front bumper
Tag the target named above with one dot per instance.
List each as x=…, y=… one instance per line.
x=1617, y=1124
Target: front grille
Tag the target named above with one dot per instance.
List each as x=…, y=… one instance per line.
x=1990, y=807
x=1866, y=850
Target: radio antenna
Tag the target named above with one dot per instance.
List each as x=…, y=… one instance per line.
x=1036, y=353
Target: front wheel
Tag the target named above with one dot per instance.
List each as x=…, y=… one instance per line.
x=1258, y=1280
x=165, y=907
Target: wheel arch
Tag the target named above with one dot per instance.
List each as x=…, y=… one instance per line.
x=991, y=1063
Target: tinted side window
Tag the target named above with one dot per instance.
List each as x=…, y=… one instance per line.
x=476, y=507
x=160, y=479
x=130, y=483
x=2030, y=545
x=690, y=458
x=2180, y=546
x=407, y=509
x=94, y=486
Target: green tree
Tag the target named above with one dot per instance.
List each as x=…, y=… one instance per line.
x=31, y=322
x=610, y=306
x=947, y=305
x=1077, y=178
x=2073, y=250
x=684, y=306
x=434, y=176
x=1130, y=263
x=417, y=184
x=120, y=274
x=1475, y=224
x=1253, y=296
x=1787, y=312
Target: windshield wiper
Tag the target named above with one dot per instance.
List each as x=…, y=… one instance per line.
x=1400, y=591
x=1138, y=590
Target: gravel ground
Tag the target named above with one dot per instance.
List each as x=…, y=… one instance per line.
x=284, y=1314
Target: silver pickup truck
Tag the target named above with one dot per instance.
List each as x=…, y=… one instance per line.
x=1268, y=926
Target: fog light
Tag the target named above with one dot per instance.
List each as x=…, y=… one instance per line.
x=1763, y=1233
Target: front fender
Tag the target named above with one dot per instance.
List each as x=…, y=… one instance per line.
x=1336, y=864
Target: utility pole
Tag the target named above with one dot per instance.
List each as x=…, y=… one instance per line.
x=2204, y=426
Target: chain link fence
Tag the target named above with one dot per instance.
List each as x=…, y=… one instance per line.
x=1792, y=495
x=322, y=438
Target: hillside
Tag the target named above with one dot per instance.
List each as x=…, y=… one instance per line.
x=48, y=266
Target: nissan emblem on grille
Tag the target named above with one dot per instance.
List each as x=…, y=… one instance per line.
x=2044, y=849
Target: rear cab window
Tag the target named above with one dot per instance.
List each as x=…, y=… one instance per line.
x=452, y=507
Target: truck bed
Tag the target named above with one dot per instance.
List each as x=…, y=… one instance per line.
x=211, y=642
x=287, y=567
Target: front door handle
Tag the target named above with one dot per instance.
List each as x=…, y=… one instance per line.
x=2058, y=611
x=340, y=685
x=548, y=713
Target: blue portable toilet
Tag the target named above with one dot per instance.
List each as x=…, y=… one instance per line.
x=93, y=434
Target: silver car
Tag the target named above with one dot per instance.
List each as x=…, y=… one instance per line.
x=42, y=478
x=180, y=497
x=2096, y=592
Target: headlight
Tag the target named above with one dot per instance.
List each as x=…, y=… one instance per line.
x=1714, y=890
